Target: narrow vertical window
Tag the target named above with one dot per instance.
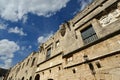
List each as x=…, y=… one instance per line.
x=27, y=62
x=23, y=65
x=30, y=78
x=59, y=68
x=91, y=68
x=48, y=53
x=50, y=70
x=98, y=64
x=74, y=71
x=33, y=62
x=89, y=35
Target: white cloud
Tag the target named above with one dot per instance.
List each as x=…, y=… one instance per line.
x=42, y=39
x=3, y=26
x=26, y=47
x=24, y=19
x=14, y=10
x=23, y=48
x=84, y=3
x=17, y=30
x=29, y=46
x=7, y=50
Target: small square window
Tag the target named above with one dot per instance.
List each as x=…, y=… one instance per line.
x=85, y=57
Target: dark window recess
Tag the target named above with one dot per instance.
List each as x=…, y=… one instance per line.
x=27, y=62
x=22, y=78
x=74, y=71
x=50, y=71
x=48, y=53
x=37, y=77
x=33, y=62
x=43, y=73
x=98, y=64
x=88, y=35
x=91, y=68
x=23, y=65
x=30, y=78
x=59, y=68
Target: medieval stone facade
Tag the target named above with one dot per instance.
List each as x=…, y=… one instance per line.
x=85, y=48
x=3, y=73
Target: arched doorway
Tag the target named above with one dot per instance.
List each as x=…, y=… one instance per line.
x=37, y=77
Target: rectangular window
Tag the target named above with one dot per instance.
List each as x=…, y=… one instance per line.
x=48, y=53
x=69, y=59
x=88, y=35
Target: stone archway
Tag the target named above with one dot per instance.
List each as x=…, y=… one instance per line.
x=37, y=77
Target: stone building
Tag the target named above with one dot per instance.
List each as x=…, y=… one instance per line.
x=25, y=69
x=3, y=72
x=86, y=47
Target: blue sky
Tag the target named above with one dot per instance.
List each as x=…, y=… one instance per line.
x=25, y=24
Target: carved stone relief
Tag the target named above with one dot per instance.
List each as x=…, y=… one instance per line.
x=62, y=30
x=110, y=17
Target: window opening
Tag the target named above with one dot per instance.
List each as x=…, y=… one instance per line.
x=27, y=62
x=91, y=68
x=48, y=53
x=59, y=68
x=98, y=64
x=89, y=35
x=74, y=71
x=57, y=43
x=50, y=71
x=33, y=62
x=37, y=77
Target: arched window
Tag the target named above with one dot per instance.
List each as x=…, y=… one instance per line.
x=37, y=77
